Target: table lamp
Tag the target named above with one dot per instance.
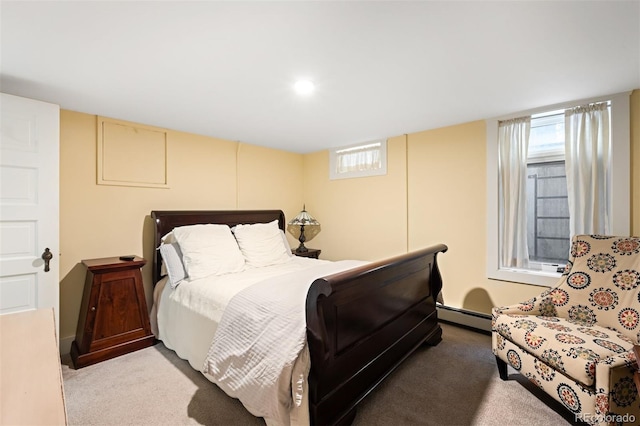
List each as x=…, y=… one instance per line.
x=303, y=227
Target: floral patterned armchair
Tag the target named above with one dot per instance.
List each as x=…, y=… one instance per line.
x=575, y=340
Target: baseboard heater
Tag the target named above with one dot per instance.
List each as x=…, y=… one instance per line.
x=464, y=317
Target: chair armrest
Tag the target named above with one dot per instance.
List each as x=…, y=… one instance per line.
x=528, y=307
x=616, y=369
x=618, y=360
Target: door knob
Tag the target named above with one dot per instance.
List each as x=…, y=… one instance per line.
x=47, y=256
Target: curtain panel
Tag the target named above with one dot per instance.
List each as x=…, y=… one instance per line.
x=513, y=144
x=588, y=166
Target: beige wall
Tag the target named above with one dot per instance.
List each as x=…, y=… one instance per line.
x=204, y=173
x=269, y=179
x=362, y=218
x=434, y=191
x=440, y=197
x=447, y=204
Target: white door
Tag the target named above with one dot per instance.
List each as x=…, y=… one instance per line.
x=29, y=204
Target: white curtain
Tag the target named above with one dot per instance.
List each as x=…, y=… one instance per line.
x=366, y=157
x=513, y=143
x=588, y=158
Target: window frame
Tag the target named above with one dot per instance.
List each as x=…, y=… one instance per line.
x=333, y=159
x=621, y=184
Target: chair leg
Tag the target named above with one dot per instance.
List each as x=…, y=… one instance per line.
x=502, y=368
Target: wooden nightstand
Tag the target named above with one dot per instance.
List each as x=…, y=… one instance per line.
x=113, y=316
x=314, y=253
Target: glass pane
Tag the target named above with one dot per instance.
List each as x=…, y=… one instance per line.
x=552, y=186
x=547, y=212
x=553, y=207
x=554, y=251
x=547, y=135
x=550, y=169
x=552, y=228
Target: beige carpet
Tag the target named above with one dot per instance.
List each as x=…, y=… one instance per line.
x=454, y=383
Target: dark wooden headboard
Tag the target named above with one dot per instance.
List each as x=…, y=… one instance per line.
x=165, y=221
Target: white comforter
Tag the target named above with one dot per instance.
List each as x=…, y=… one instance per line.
x=259, y=355
x=187, y=317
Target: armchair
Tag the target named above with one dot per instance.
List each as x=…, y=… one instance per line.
x=575, y=340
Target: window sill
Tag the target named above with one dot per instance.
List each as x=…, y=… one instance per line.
x=526, y=276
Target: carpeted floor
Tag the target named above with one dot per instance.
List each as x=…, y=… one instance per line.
x=453, y=383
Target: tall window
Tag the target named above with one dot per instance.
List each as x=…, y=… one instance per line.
x=567, y=172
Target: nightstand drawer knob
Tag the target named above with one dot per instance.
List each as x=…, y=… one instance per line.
x=93, y=308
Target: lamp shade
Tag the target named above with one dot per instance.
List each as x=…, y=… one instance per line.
x=304, y=228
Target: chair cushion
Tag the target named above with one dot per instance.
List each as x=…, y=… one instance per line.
x=567, y=346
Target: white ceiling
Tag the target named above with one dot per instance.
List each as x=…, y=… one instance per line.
x=381, y=69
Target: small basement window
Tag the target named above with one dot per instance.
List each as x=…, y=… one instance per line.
x=361, y=160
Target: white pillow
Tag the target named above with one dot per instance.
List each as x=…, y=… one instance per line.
x=167, y=239
x=262, y=244
x=172, y=261
x=208, y=250
x=286, y=244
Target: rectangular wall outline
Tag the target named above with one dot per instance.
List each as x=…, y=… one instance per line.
x=101, y=165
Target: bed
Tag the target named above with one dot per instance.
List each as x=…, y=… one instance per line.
x=361, y=322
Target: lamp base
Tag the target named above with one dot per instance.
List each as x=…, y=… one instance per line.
x=302, y=249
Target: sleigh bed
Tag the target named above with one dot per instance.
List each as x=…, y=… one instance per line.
x=361, y=323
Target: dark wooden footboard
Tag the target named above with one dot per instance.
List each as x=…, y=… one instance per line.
x=362, y=323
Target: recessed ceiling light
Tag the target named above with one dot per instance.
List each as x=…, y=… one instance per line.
x=304, y=87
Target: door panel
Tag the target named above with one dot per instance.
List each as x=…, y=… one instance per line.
x=29, y=204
